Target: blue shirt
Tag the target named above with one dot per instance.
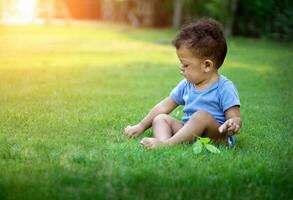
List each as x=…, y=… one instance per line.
x=215, y=100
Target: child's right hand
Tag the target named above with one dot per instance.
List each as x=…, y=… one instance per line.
x=133, y=131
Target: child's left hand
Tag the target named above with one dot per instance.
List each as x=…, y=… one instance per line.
x=230, y=127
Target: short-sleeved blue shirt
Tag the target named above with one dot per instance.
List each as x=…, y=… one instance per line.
x=215, y=100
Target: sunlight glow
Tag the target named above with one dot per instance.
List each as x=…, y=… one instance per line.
x=18, y=12
x=26, y=9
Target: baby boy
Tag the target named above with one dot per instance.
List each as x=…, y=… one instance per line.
x=211, y=102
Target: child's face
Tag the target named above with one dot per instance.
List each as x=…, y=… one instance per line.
x=193, y=67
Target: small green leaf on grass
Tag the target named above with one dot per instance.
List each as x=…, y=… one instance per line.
x=212, y=148
x=197, y=147
x=205, y=140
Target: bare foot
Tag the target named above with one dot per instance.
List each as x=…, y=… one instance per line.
x=151, y=143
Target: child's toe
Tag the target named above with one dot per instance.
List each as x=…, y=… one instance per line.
x=147, y=142
x=144, y=142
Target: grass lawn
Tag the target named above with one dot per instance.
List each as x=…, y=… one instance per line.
x=67, y=92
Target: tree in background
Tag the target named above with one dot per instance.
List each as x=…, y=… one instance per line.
x=137, y=12
x=272, y=18
x=177, y=16
x=224, y=11
x=186, y=11
x=254, y=18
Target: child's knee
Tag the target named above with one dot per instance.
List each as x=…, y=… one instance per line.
x=161, y=117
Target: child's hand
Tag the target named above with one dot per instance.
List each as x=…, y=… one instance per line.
x=230, y=127
x=132, y=131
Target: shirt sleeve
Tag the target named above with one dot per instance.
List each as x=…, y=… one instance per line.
x=229, y=96
x=177, y=93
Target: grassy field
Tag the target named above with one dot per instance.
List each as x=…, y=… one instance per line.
x=67, y=92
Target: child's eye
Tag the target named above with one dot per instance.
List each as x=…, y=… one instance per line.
x=185, y=66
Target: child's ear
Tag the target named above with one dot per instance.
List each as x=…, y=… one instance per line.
x=208, y=65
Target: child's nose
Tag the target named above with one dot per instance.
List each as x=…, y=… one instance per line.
x=181, y=69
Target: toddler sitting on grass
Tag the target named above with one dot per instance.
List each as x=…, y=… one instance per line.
x=211, y=102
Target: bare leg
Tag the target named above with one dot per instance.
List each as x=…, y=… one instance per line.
x=164, y=126
x=200, y=124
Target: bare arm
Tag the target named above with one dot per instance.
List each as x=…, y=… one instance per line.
x=164, y=107
x=233, y=121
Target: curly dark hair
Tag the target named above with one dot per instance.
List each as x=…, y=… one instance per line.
x=205, y=38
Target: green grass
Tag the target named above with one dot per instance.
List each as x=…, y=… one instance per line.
x=67, y=92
